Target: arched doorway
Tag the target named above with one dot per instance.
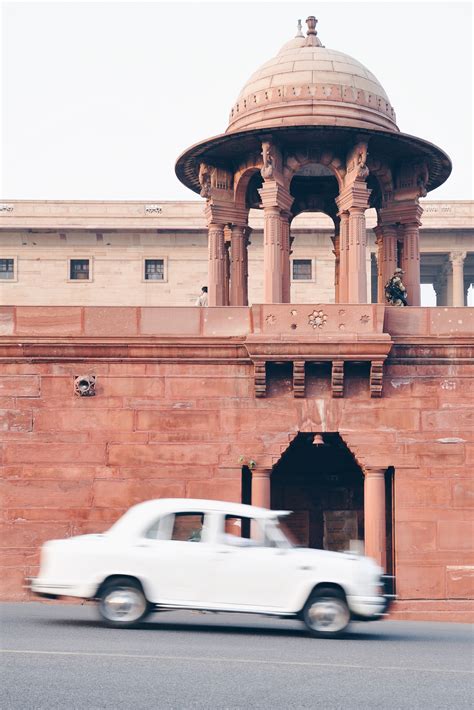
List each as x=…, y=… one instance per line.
x=318, y=478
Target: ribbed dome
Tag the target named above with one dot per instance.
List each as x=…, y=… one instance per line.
x=307, y=84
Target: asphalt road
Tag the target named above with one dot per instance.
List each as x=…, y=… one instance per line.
x=60, y=656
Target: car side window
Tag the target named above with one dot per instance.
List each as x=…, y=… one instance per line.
x=240, y=531
x=187, y=527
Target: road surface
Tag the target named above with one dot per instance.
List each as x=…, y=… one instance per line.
x=60, y=656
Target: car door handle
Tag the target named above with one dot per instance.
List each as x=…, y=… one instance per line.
x=223, y=552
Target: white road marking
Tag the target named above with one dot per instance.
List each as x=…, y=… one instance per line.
x=210, y=659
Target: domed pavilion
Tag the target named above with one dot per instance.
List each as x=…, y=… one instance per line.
x=312, y=130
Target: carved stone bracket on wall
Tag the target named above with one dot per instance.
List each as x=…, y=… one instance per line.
x=376, y=378
x=337, y=378
x=299, y=378
x=260, y=375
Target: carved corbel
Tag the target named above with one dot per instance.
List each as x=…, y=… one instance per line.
x=356, y=163
x=337, y=378
x=205, y=172
x=260, y=377
x=376, y=378
x=411, y=181
x=299, y=378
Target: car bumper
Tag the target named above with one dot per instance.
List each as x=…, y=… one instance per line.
x=51, y=589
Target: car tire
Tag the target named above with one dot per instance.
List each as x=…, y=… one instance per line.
x=326, y=614
x=122, y=603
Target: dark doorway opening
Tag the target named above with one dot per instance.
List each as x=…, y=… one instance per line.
x=318, y=478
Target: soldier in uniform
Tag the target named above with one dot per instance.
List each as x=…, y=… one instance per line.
x=395, y=291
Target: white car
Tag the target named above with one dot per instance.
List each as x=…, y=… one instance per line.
x=210, y=555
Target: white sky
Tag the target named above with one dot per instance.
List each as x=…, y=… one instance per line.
x=99, y=99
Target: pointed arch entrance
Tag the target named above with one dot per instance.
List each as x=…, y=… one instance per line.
x=337, y=504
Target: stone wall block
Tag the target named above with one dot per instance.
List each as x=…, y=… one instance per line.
x=460, y=581
x=434, y=494
x=38, y=453
x=49, y=320
x=224, y=489
x=449, y=419
x=416, y=537
x=151, y=387
x=463, y=493
x=103, y=322
x=125, y=493
x=22, y=386
x=421, y=581
x=102, y=420
x=177, y=388
x=16, y=420
x=7, y=320
x=176, y=421
x=456, y=535
x=45, y=493
x=159, y=454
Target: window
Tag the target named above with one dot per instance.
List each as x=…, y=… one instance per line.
x=154, y=270
x=79, y=269
x=302, y=270
x=180, y=527
x=7, y=269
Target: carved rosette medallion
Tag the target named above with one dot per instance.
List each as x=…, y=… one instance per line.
x=317, y=319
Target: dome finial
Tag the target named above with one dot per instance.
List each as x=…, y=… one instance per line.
x=311, y=21
x=311, y=39
x=299, y=32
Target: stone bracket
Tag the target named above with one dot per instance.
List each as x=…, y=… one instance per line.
x=260, y=377
x=337, y=378
x=376, y=378
x=299, y=378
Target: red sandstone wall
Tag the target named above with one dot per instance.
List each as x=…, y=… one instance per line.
x=73, y=465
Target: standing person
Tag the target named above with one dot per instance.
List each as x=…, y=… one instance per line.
x=395, y=291
x=202, y=300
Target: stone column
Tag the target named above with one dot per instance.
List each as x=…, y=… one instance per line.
x=226, y=271
x=261, y=487
x=374, y=515
x=343, y=251
x=440, y=286
x=285, y=257
x=411, y=262
x=389, y=256
x=378, y=257
x=238, y=266
x=217, y=283
x=276, y=201
x=337, y=261
x=457, y=262
x=357, y=271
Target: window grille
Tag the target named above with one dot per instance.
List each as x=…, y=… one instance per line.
x=79, y=270
x=302, y=270
x=154, y=270
x=7, y=269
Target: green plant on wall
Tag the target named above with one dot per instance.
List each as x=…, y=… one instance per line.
x=250, y=463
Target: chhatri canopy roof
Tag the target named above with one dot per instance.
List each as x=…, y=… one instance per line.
x=310, y=95
x=307, y=84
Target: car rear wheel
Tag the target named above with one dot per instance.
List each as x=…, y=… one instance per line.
x=326, y=613
x=122, y=603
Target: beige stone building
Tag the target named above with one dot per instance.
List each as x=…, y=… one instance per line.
x=143, y=254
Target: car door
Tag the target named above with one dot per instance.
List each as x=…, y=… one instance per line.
x=251, y=572
x=175, y=555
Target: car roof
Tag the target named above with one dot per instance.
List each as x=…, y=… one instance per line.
x=143, y=512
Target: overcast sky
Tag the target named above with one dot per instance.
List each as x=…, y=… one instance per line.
x=99, y=99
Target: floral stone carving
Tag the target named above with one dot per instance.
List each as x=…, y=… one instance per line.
x=317, y=319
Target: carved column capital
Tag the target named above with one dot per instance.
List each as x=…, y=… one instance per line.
x=374, y=471
x=457, y=257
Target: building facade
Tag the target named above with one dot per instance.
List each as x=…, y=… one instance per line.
x=298, y=387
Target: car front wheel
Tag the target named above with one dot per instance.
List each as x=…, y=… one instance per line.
x=326, y=613
x=122, y=603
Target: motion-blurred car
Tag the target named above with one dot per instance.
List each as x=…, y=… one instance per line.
x=210, y=555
